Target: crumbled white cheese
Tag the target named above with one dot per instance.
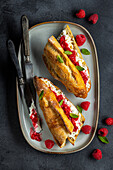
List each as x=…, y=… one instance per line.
x=37, y=125
x=31, y=107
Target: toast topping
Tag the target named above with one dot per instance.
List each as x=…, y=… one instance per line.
x=67, y=107
x=67, y=43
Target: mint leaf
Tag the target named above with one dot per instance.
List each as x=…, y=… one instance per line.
x=79, y=108
x=41, y=94
x=103, y=139
x=79, y=68
x=85, y=51
x=59, y=58
x=68, y=52
x=73, y=115
x=61, y=102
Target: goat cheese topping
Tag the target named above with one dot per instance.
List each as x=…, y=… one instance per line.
x=34, y=117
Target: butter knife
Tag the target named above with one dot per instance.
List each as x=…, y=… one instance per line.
x=24, y=88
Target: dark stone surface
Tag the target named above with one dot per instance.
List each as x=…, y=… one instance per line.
x=15, y=153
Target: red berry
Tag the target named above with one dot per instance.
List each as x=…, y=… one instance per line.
x=97, y=154
x=80, y=14
x=85, y=105
x=75, y=129
x=59, y=98
x=109, y=121
x=34, y=135
x=62, y=39
x=93, y=18
x=66, y=109
x=84, y=76
x=103, y=132
x=72, y=57
x=86, y=129
x=49, y=143
x=80, y=39
x=74, y=121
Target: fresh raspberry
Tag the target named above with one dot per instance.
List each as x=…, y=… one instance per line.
x=80, y=14
x=59, y=98
x=80, y=39
x=103, y=132
x=93, y=18
x=74, y=121
x=109, y=121
x=66, y=108
x=86, y=129
x=49, y=143
x=75, y=129
x=85, y=105
x=34, y=135
x=72, y=57
x=62, y=39
x=84, y=76
x=97, y=154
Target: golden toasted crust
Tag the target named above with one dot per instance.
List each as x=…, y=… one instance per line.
x=58, y=123
x=68, y=31
x=71, y=140
x=65, y=72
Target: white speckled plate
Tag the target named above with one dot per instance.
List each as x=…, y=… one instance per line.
x=39, y=35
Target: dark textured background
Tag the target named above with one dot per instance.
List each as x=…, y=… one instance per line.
x=15, y=153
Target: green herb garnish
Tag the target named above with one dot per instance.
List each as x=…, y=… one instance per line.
x=68, y=52
x=41, y=94
x=79, y=68
x=73, y=115
x=79, y=108
x=61, y=102
x=103, y=139
x=85, y=51
x=59, y=58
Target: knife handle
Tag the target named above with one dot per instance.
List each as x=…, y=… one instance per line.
x=14, y=58
x=25, y=27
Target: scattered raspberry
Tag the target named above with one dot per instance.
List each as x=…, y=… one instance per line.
x=93, y=18
x=80, y=39
x=81, y=13
x=103, y=132
x=109, y=121
x=85, y=105
x=86, y=129
x=34, y=135
x=97, y=154
x=49, y=143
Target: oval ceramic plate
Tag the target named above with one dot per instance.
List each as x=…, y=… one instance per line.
x=39, y=35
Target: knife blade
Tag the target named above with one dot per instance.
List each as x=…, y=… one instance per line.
x=24, y=89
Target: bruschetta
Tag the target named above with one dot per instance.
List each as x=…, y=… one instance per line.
x=62, y=117
x=66, y=64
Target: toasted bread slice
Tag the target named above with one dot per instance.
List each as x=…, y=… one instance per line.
x=65, y=72
x=59, y=124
